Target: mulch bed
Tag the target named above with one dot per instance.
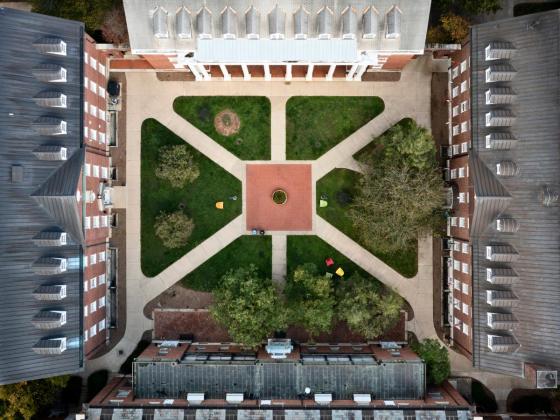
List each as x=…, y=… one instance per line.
x=227, y=123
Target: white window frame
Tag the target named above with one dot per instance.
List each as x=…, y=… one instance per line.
x=86, y=132
x=104, y=221
x=465, y=147
x=93, y=134
x=101, y=138
x=455, y=110
x=101, y=92
x=453, y=220
x=93, y=283
x=465, y=268
x=93, y=259
x=465, y=248
x=465, y=308
x=104, y=172
x=464, y=126
x=456, y=303
x=456, y=129
x=455, y=92
x=93, y=110
x=456, y=265
x=95, y=222
x=456, y=246
x=93, y=330
x=85, y=336
x=453, y=173
x=455, y=72
x=93, y=307
x=456, y=284
x=465, y=329
x=87, y=169
x=101, y=68
x=465, y=288
x=85, y=286
x=455, y=149
x=102, y=114
x=461, y=197
x=464, y=85
x=101, y=279
x=101, y=301
x=464, y=107
x=93, y=86
x=93, y=62
x=87, y=222
x=96, y=171
x=464, y=66
x=101, y=325
x=86, y=312
x=101, y=256
x=461, y=222
x=461, y=172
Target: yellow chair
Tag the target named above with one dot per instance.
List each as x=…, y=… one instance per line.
x=339, y=271
x=220, y=205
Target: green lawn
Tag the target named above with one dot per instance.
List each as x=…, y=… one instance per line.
x=339, y=185
x=312, y=249
x=242, y=252
x=315, y=124
x=252, y=142
x=197, y=199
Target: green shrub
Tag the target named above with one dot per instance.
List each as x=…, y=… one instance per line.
x=177, y=165
x=173, y=229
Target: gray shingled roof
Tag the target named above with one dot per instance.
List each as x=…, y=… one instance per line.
x=20, y=216
x=537, y=126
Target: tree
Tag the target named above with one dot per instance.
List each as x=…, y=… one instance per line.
x=456, y=26
x=311, y=300
x=437, y=35
x=396, y=204
x=401, y=193
x=173, y=229
x=409, y=144
x=476, y=7
x=367, y=311
x=91, y=12
x=114, y=28
x=177, y=165
x=25, y=399
x=436, y=357
x=248, y=306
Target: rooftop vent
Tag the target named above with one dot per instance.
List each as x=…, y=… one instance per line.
x=51, y=152
x=548, y=196
x=204, y=23
x=234, y=398
x=277, y=23
x=50, y=293
x=252, y=23
x=499, y=95
x=501, y=298
x=50, y=238
x=51, y=99
x=50, y=346
x=500, y=141
x=48, y=320
x=229, y=23
x=393, y=18
x=349, y=23
x=17, y=174
x=159, y=21
x=370, y=22
x=325, y=22
x=49, y=126
x=501, y=321
x=507, y=225
x=50, y=45
x=499, y=118
x=323, y=399
x=50, y=73
x=301, y=23
x=501, y=276
x=507, y=168
x=195, y=398
x=183, y=24
x=362, y=399
x=502, y=343
x=501, y=253
x=499, y=50
x=499, y=73
x=279, y=348
x=48, y=266
x=547, y=379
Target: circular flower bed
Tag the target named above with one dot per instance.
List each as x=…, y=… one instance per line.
x=227, y=122
x=279, y=197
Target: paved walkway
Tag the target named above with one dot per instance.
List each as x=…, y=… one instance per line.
x=410, y=97
x=279, y=259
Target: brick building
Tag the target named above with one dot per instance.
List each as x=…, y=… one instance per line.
x=503, y=168
x=286, y=39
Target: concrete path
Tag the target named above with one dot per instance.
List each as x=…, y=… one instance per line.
x=278, y=127
x=279, y=259
x=150, y=98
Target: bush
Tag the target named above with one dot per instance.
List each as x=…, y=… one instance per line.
x=456, y=26
x=177, y=165
x=173, y=229
x=437, y=360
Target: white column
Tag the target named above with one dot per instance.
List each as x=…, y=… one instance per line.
x=267, y=75
x=246, y=74
x=330, y=74
x=352, y=71
x=204, y=72
x=288, y=72
x=225, y=72
x=361, y=70
x=194, y=70
x=309, y=75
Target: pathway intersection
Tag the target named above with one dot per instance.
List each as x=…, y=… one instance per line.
x=150, y=98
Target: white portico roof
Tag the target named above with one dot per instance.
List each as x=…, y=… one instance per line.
x=410, y=38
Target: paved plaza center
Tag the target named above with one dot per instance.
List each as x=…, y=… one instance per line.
x=263, y=213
